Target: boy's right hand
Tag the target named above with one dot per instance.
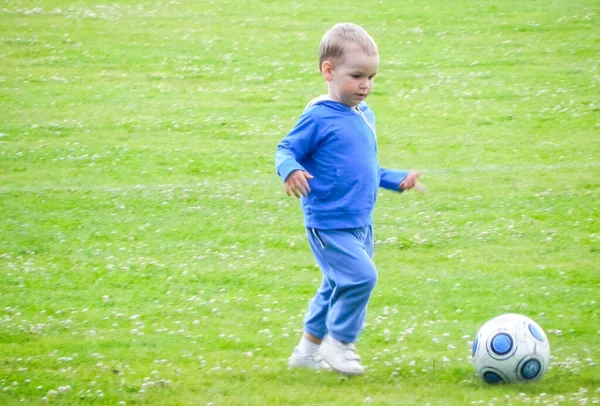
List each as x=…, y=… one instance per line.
x=297, y=183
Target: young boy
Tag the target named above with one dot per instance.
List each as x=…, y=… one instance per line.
x=329, y=160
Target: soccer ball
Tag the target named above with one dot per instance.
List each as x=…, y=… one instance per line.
x=511, y=348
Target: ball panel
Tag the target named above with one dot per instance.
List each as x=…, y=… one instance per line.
x=492, y=377
x=531, y=369
x=537, y=333
x=501, y=344
x=475, y=346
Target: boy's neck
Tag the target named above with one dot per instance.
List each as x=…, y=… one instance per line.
x=329, y=97
x=324, y=97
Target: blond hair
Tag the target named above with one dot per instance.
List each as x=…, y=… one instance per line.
x=340, y=37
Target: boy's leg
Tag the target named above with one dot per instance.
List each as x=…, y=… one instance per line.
x=306, y=354
x=345, y=259
x=316, y=317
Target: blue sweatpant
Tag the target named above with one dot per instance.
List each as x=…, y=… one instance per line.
x=339, y=307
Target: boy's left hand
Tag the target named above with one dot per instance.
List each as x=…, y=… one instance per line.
x=411, y=181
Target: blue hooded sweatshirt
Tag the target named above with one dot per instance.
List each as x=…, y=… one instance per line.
x=338, y=146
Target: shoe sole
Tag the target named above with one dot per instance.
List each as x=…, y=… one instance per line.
x=323, y=366
x=339, y=371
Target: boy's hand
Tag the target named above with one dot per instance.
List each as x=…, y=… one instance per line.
x=411, y=182
x=297, y=183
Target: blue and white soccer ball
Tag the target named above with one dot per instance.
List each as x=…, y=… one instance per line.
x=511, y=348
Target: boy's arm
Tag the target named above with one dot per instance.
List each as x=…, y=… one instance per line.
x=391, y=179
x=295, y=146
x=399, y=180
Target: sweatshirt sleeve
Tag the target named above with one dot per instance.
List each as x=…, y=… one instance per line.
x=391, y=179
x=295, y=146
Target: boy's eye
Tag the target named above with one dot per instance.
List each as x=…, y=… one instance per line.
x=358, y=76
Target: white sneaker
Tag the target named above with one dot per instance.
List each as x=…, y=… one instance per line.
x=312, y=361
x=341, y=357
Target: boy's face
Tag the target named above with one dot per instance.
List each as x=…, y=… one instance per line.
x=350, y=80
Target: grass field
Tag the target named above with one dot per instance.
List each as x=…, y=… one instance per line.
x=148, y=254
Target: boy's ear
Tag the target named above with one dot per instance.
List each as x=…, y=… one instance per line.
x=327, y=70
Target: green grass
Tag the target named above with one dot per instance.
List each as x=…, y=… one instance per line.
x=148, y=254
